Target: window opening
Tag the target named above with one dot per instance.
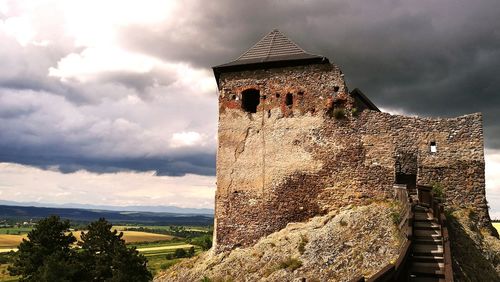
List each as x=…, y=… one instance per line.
x=433, y=147
x=289, y=99
x=250, y=100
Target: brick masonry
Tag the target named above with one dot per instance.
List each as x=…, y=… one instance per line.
x=292, y=161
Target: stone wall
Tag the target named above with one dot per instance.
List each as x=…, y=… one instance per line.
x=288, y=163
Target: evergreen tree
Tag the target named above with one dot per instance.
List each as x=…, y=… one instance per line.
x=47, y=254
x=106, y=257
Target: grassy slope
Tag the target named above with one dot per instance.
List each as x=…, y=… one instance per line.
x=317, y=250
x=475, y=253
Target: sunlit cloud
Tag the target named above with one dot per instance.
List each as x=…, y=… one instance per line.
x=117, y=189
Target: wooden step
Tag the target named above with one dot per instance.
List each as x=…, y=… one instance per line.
x=428, y=237
x=425, y=218
x=428, y=250
x=428, y=241
x=426, y=225
x=429, y=265
x=431, y=271
x=421, y=209
x=431, y=258
x=414, y=278
x=427, y=233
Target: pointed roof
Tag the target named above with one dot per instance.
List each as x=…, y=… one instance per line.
x=275, y=46
x=273, y=50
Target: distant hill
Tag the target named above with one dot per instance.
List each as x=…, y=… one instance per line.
x=163, y=209
x=23, y=213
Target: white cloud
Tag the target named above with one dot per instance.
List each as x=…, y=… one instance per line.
x=396, y=111
x=20, y=28
x=186, y=139
x=492, y=173
x=24, y=183
x=95, y=22
x=93, y=62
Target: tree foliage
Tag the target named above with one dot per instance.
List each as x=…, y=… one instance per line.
x=46, y=253
x=106, y=257
x=205, y=242
x=49, y=255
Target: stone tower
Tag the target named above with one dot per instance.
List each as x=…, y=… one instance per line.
x=295, y=143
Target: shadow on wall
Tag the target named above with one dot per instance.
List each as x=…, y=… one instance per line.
x=470, y=262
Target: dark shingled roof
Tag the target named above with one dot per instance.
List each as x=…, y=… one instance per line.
x=356, y=93
x=273, y=50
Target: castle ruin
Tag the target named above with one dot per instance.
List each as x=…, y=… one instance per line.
x=295, y=143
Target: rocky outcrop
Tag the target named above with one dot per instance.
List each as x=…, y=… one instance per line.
x=338, y=246
x=475, y=251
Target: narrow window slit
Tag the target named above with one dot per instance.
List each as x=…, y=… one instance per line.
x=289, y=99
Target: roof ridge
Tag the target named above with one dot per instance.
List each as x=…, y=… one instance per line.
x=274, y=44
x=272, y=50
x=272, y=41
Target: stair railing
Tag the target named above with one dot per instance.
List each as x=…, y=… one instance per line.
x=438, y=213
x=399, y=269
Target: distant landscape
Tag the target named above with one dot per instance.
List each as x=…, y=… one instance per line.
x=76, y=215
x=165, y=238
x=167, y=209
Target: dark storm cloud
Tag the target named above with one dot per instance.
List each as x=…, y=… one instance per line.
x=431, y=58
x=65, y=162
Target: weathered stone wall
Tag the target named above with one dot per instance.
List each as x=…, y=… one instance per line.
x=288, y=163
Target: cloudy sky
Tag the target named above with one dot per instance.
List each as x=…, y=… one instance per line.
x=113, y=102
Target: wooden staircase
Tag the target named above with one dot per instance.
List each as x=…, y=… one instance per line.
x=427, y=259
x=426, y=255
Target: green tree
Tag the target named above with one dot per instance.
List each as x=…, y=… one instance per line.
x=191, y=252
x=205, y=242
x=46, y=255
x=106, y=257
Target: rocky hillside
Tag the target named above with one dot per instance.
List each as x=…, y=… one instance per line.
x=475, y=252
x=335, y=247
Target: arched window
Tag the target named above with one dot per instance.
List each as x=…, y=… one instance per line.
x=250, y=100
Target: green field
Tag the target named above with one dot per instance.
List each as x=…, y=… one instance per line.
x=497, y=226
x=161, y=227
x=15, y=230
x=152, y=245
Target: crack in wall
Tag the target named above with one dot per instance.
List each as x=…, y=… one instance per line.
x=263, y=151
x=237, y=152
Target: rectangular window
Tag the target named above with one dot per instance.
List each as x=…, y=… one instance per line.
x=433, y=147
